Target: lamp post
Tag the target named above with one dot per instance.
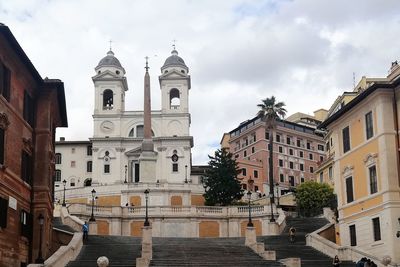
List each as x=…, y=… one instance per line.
x=92, y=219
x=250, y=223
x=186, y=180
x=64, y=183
x=277, y=193
x=40, y=257
x=126, y=170
x=146, y=194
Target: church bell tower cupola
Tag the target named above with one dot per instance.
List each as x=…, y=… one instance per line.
x=175, y=84
x=110, y=85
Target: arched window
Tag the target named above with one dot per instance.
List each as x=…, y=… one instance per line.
x=132, y=133
x=58, y=158
x=58, y=176
x=108, y=101
x=88, y=182
x=174, y=98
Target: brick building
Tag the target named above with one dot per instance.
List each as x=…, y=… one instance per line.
x=31, y=108
x=296, y=151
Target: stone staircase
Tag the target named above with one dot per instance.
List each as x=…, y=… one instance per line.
x=121, y=251
x=205, y=252
x=309, y=256
x=57, y=223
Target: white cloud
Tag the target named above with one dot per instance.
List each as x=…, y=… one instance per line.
x=238, y=52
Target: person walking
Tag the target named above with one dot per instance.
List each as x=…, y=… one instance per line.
x=85, y=230
x=292, y=234
x=336, y=261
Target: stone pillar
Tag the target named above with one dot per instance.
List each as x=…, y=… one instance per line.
x=251, y=238
x=92, y=228
x=272, y=228
x=147, y=243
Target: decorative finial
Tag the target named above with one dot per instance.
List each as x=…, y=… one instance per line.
x=174, y=45
x=147, y=63
x=110, y=45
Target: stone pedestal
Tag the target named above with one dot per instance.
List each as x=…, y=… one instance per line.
x=273, y=228
x=147, y=161
x=251, y=238
x=147, y=243
x=92, y=228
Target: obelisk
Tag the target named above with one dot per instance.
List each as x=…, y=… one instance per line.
x=148, y=156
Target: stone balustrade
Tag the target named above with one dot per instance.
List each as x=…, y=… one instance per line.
x=170, y=211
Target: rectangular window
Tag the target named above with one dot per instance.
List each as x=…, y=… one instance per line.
x=291, y=152
x=253, y=149
x=377, y=229
x=291, y=180
x=5, y=81
x=298, y=142
x=280, y=149
x=278, y=138
x=26, y=167
x=58, y=158
x=73, y=164
x=89, y=166
x=321, y=147
x=349, y=189
x=89, y=150
x=244, y=154
x=256, y=188
x=369, y=126
x=311, y=169
x=2, y=143
x=174, y=167
x=255, y=174
x=254, y=137
x=267, y=135
x=321, y=158
x=57, y=176
x=244, y=172
x=301, y=167
x=346, y=139
x=288, y=140
x=373, y=184
x=308, y=145
x=330, y=172
x=281, y=178
x=26, y=224
x=280, y=163
x=301, y=154
x=353, y=237
x=311, y=156
x=302, y=179
x=106, y=168
x=3, y=212
x=291, y=164
x=29, y=109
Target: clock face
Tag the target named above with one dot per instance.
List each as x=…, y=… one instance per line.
x=107, y=126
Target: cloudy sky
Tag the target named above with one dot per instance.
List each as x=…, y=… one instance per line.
x=302, y=51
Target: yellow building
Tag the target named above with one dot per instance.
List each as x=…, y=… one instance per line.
x=364, y=142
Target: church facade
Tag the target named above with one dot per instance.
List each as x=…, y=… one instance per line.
x=122, y=160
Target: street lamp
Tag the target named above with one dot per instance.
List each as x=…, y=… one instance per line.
x=250, y=223
x=40, y=257
x=277, y=193
x=126, y=169
x=146, y=194
x=271, y=197
x=186, y=181
x=92, y=219
x=64, y=183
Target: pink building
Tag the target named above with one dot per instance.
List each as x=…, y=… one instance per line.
x=297, y=151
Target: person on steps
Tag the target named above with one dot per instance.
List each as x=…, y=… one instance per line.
x=85, y=230
x=336, y=261
x=292, y=234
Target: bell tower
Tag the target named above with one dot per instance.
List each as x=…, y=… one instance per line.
x=110, y=85
x=175, y=84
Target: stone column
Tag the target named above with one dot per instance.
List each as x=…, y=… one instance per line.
x=251, y=238
x=147, y=243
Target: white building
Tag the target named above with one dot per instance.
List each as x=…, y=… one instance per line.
x=115, y=158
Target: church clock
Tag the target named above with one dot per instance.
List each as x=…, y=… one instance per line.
x=107, y=126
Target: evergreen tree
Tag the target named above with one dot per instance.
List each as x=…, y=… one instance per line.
x=220, y=181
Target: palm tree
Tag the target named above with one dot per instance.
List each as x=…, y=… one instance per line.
x=271, y=111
